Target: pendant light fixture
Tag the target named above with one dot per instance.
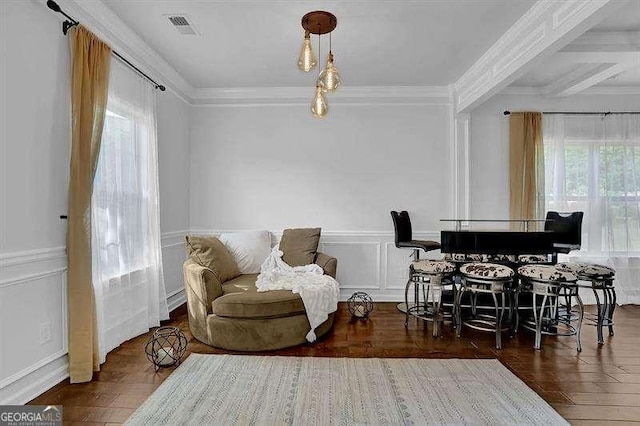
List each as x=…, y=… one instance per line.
x=319, y=22
x=306, y=60
x=329, y=79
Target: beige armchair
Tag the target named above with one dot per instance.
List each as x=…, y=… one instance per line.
x=233, y=315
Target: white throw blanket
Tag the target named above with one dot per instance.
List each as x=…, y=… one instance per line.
x=319, y=292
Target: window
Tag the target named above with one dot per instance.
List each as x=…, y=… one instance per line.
x=121, y=196
x=592, y=164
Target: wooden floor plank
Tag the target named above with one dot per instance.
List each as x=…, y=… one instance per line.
x=598, y=386
x=597, y=412
x=620, y=399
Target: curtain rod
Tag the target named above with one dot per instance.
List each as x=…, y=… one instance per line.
x=70, y=23
x=584, y=113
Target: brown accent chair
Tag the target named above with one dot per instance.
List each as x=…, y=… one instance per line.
x=233, y=315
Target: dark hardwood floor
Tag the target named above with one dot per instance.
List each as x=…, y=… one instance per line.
x=599, y=386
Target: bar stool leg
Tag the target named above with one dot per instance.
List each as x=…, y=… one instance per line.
x=568, y=303
x=474, y=299
x=454, y=319
x=612, y=307
x=498, y=321
x=538, y=342
x=416, y=297
x=436, y=311
x=606, y=306
x=580, y=317
x=515, y=315
x=426, y=290
x=503, y=311
x=406, y=302
x=458, y=308
x=600, y=314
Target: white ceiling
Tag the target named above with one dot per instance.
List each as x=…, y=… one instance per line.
x=606, y=55
x=377, y=42
x=624, y=19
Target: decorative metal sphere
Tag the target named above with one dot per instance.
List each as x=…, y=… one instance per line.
x=360, y=305
x=166, y=347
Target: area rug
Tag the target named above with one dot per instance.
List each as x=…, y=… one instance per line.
x=273, y=390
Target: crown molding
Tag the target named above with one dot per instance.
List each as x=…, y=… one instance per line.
x=351, y=95
x=103, y=22
x=541, y=31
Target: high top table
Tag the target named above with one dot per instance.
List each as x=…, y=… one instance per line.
x=524, y=223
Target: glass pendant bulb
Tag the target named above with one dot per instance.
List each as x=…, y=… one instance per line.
x=329, y=79
x=307, y=59
x=319, y=106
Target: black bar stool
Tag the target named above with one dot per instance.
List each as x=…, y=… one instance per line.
x=404, y=240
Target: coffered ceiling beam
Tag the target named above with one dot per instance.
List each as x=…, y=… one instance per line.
x=631, y=39
x=598, y=74
x=546, y=28
x=597, y=57
x=580, y=72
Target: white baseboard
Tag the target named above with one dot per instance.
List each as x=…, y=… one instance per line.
x=376, y=295
x=175, y=300
x=35, y=383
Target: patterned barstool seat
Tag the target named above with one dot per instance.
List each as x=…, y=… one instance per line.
x=527, y=259
x=490, y=278
x=462, y=257
x=601, y=279
x=549, y=283
x=433, y=275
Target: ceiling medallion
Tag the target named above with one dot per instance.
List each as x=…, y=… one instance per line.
x=319, y=22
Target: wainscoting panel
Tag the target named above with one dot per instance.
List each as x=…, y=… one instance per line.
x=370, y=262
x=363, y=259
x=33, y=323
x=396, y=266
x=33, y=316
x=173, y=256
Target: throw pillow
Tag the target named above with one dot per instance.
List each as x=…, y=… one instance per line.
x=211, y=253
x=249, y=249
x=300, y=245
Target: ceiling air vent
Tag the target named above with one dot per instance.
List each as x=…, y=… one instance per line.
x=183, y=24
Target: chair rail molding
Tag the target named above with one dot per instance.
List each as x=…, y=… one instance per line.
x=543, y=30
x=173, y=238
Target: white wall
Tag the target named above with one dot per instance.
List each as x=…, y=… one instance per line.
x=173, y=157
x=34, y=164
x=489, y=146
x=34, y=168
x=275, y=166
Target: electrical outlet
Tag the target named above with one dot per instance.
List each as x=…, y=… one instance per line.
x=45, y=332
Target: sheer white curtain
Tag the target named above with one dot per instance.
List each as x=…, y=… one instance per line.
x=127, y=260
x=592, y=164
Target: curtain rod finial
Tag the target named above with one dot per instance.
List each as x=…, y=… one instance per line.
x=507, y=113
x=161, y=87
x=53, y=6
